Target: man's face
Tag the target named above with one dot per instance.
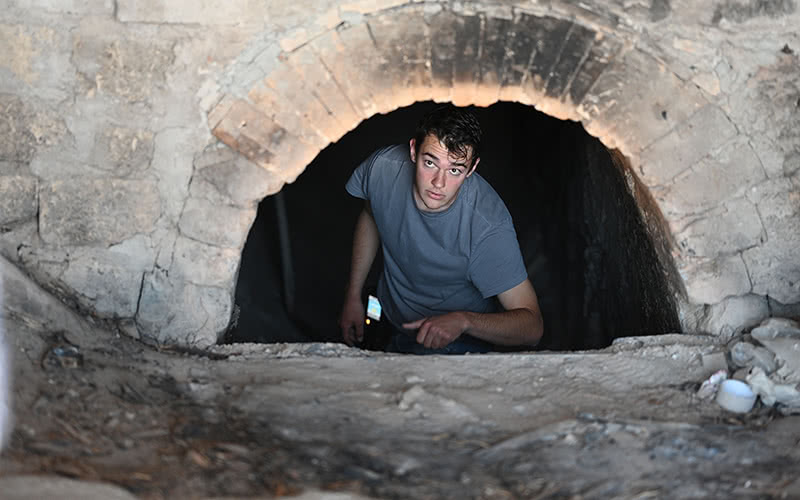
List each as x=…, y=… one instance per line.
x=439, y=174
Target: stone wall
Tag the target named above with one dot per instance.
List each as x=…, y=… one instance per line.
x=137, y=137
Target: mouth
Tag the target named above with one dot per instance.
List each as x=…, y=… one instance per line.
x=435, y=196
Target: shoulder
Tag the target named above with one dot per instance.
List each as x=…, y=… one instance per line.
x=395, y=153
x=489, y=210
x=388, y=160
x=391, y=154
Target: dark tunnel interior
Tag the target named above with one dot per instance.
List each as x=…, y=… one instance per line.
x=590, y=256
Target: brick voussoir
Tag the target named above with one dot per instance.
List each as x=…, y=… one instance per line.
x=602, y=52
x=574, y=51
x=549, y=35
x=466, y=69
x=282, y=111
x=406, y=65
x=365, y=60
x=443, y=28
x=343, y=66
x=299, y=99
x=318, y=80
x=251, y=133
x=493, y=39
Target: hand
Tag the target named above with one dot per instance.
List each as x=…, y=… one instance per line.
x=438, y=331
x=351, y=321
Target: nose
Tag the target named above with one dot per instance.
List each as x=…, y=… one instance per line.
x=438, y=179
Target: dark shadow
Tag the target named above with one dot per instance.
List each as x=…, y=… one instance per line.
x=588, y=252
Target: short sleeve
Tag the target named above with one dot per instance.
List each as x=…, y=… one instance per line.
x=358, y=184
x=496, y=263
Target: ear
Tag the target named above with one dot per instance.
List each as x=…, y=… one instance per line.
x=412, y=143
x=477, y=160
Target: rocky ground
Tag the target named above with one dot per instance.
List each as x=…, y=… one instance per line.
x=100, y=415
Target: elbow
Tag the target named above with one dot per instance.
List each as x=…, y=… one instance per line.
x=536, y=331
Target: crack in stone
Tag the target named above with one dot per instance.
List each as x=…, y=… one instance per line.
x=335, y=80
x=764, y=234
x=578, y=68
x=139, y=298
x=372, y=37
x=746, y=270
x=557, y=59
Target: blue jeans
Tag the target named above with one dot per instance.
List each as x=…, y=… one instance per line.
x=405, y=344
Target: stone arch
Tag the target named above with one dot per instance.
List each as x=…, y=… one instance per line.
x=311, y=89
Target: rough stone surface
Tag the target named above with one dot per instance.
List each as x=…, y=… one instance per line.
x=122, y=151
x=187, y=12
x=771, y=393
x=782, y=337
x=126, y=69
x=735, y=227
x=155, y=422
x=40, y=61
x=174, y=150
x=771, y=263
x=712, y=181
x=19, y=199
x=626, y=107
x=773, y=328
x=111, y=210
x=224, y=178
x=74, y=7
x=223, y=226
x=174, y=311
x=686, y=145
x=744, y=354
x=733, y=315
x=223, y=263
x=23, y=487
x=24, y=130
x=709, y=282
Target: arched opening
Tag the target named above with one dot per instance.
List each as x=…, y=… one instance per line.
x=592, y=257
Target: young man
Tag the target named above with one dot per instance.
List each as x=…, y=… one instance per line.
x=448, y=242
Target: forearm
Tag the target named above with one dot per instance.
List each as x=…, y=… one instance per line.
x=515, y=327
x=365, y=246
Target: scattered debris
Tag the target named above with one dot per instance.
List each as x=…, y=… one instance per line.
x=768, y=360
x=745, y=354
x=736, y=396
x=771, y=392
x=709, y=388
x=61, y=354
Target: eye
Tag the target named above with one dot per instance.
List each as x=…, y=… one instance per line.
x=428, y=163
x=455, y=171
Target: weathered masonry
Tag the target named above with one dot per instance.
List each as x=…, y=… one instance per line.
x=138, y=138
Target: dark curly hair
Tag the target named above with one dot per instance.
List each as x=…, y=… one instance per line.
x=456, y=128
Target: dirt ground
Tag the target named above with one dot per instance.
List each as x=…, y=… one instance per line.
x=100, y=415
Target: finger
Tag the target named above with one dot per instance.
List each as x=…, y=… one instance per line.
x=347, y=334
x=430, y=337
x=422, y=333
x=359, y=330
x=438, y=340
x=413, y=325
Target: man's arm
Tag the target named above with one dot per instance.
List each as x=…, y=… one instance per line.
x=365, y=247
x=520, y=324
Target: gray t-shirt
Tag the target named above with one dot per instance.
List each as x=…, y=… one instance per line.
x=454, y=260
